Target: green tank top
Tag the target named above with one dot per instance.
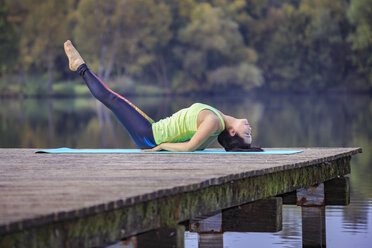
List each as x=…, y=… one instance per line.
x=182, y=125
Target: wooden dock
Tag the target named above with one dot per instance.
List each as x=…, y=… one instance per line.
x=84, y=200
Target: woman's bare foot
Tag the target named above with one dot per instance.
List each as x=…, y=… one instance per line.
x=75, y=60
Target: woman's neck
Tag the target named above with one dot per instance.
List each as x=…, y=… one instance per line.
x=229, y=121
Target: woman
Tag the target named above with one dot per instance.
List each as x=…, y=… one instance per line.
x=189, y=129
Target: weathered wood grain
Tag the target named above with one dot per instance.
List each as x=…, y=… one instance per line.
x=45, y=188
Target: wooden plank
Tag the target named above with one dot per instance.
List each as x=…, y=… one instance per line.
x=46, y=192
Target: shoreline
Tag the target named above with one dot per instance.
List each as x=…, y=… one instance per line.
x=83, y=91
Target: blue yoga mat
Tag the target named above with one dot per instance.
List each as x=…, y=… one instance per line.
x=207, y=151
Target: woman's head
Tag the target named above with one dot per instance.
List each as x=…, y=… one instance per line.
x=242, y=128
x=230, y=142
x=238, y=135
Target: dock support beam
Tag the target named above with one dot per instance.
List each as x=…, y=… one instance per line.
x=259, y=216
x=165, y=237
x=312, y=202
x=313, y=226
x=210, y=240
x=207, y=224
x=336, y=193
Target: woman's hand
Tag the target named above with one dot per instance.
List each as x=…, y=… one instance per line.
x=154, y=149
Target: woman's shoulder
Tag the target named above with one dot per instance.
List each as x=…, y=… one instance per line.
x=206, y=115
x=199, y=105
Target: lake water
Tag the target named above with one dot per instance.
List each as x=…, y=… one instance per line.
x=276, y=120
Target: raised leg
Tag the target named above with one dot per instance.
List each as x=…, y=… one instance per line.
x=137, y=123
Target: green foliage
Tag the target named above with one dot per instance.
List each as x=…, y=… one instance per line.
x=34, y=86
x=213, y=52
x=245, y=75
x=7, y=88
x=360, y=15
x=8, y=41
x=70, y=88
x=125, y=35
x=191, y=45
x=303, y=49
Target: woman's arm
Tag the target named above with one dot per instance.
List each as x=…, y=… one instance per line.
x=209, y=126
x=174, y=147
x=207, y=143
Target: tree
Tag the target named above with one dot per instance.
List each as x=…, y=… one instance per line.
x=43, y=33
x=360, y=15
x=93, y=31
x=8, y=41
x=191, y=45
x=14, y=15
x=212, y=46
x=303, y=49
x=127, y=34
x=147, y=33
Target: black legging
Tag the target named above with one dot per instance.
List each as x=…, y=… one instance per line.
x=137, y=123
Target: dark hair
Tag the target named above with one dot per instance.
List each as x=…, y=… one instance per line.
x=235, y=143
x=230, y=142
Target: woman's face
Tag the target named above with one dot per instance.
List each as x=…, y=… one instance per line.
x=243, y=129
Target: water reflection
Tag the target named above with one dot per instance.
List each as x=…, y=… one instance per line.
x=35, y=123
x=277, y=121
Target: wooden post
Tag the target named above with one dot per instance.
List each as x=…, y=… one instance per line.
x=313, y=226
x=209, y=228
x=289, y=198
x=207, y=224
x=162, y=237
x=336, y=192
x=130, y=242
x=311, y=196
x=311, y=200
x=210, y=240
x=259, y=216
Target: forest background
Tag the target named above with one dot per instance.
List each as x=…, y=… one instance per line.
x=187, y=46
